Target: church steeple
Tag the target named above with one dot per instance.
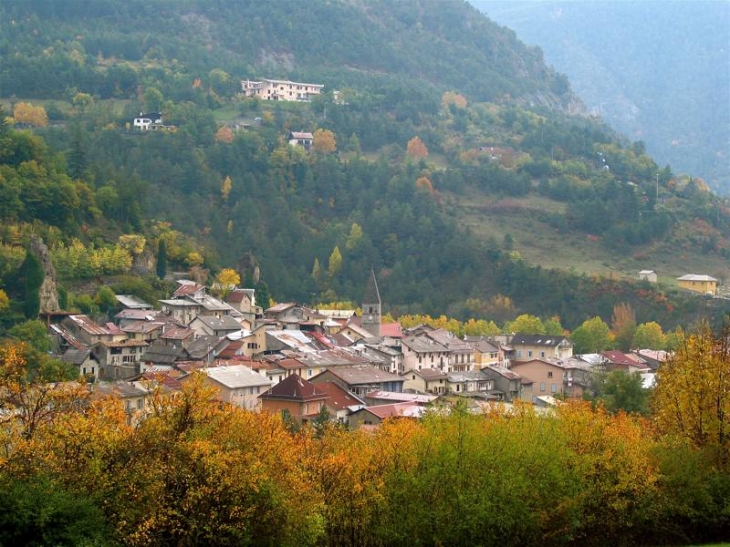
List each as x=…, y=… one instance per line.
x=371, y=306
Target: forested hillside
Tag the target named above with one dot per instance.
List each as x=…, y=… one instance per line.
x=443, y=124
x=669, y=89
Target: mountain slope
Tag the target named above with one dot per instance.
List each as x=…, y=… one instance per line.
x=669, y=88
x=348, y=42
x=502, y=168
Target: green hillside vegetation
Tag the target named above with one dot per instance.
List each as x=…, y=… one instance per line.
x=508, y=193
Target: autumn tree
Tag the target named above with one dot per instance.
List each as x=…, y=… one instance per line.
x=224, y=135
x=452, y=98
x=134, y=244
x=416, y=149
x=526, y=324
x=650, y=336
x=335, y=262
x=226, y=186
x=32, y=115
x=33, y=391
x=316, y=270
x=354, y=237
x=623, y=325
x=324, y=141
x=593, y=336
x=553, y=327
x=227, y=280
x=692, y=397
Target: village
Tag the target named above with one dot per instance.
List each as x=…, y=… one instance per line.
x=307, y=363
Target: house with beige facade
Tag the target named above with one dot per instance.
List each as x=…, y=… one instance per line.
x=698, y=283
x=280, y=90
x=426, y=380
x=237, y=385
x=540, y=346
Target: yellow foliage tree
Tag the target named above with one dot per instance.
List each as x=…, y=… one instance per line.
x=451, y=97
x=227, y=280
x=226, y=188
x=692, y=397
x=32, y=115
x=324, y=141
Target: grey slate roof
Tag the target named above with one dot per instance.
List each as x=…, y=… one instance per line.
x=161, y=354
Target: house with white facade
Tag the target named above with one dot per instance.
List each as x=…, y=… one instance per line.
x=280, y=90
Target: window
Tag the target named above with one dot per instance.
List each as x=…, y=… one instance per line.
x=542, y=386
x=140, y=403
x=554, y=388
x=550, y=374
x=529, y=353
x=542, y=354
x=519, y=353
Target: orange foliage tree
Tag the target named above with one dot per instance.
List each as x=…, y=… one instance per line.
x=416, y=149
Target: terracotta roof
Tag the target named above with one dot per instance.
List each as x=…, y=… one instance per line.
x=176, y=332
x=187, y=288
x=394, y=410
x=231, y=350
x=391, y=330
x=86, y=324
x=294, y=387
x=339, y=399
x=123, y=343
x=281, y=307
x=619, y=358
x=237, y=295
x=430, y=374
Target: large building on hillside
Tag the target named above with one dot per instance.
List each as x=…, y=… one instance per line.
x=280, y=90
x=698, y=283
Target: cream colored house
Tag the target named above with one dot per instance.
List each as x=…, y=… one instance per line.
x=540, y=346
x=280, y=90
x=427, y=380
x=237, y=385
x=698, y=283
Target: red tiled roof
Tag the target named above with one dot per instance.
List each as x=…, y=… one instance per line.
x=187, y=289
x=619, y=358
x=388, y=411
x=392, y=330
x=339, y=398
x=294, y=387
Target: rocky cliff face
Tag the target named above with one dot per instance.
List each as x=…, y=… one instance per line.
x=48, y=292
